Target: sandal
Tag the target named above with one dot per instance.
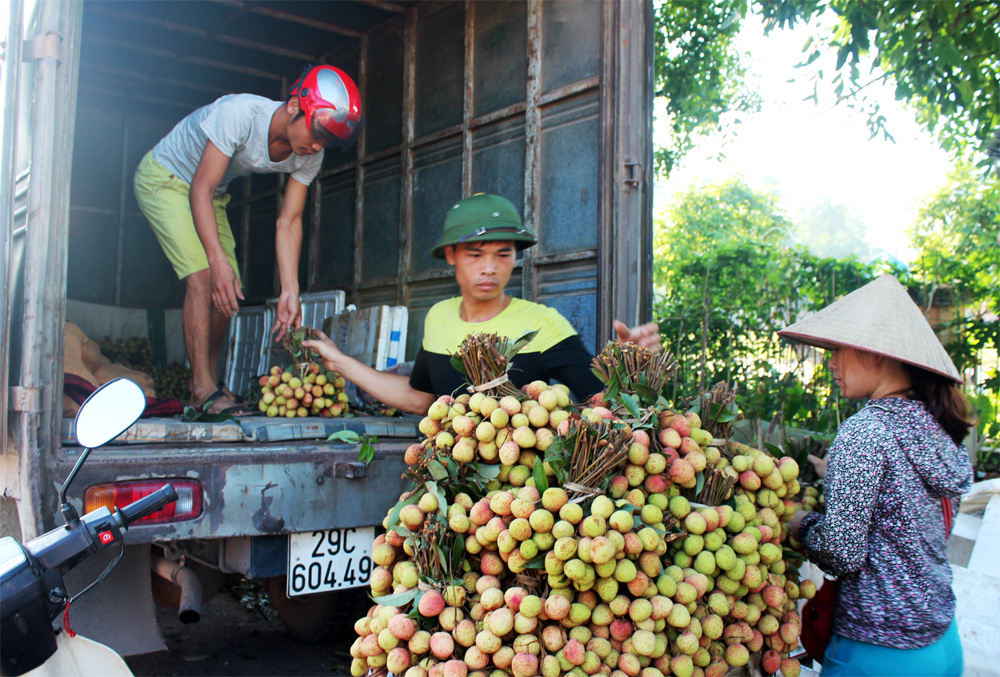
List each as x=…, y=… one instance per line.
x=236, y=410
x=221, y=385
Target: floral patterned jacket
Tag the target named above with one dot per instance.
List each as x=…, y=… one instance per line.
x=883, y=534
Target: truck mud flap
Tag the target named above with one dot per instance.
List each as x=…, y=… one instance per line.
x=119, y=612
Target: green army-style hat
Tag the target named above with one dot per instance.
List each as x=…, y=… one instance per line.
x=483, y=218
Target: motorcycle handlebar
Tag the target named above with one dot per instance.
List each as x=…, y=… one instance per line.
x=148, y=504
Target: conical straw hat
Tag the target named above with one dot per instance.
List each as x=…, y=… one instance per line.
x=880, y=318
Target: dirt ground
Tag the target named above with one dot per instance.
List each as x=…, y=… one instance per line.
x=238, y=634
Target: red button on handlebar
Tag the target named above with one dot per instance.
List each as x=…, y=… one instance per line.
x=106, y=537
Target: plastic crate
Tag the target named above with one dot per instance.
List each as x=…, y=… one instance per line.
x=375, y=336
x=251, y=350
x=245, y=351
x=316, y=307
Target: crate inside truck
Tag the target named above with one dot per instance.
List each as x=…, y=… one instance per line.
x=546, y=102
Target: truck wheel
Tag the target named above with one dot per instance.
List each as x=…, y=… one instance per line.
x=313, y=618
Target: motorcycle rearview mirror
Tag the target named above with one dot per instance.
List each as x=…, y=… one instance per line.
x=107, y=413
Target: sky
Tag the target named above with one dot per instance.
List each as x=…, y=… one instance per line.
x=806, y=152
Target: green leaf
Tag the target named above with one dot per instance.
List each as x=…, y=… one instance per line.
x=541, y=481
x=348, y=436
x=646, y=393
x=436, y=470
x=612, y=390
x=458, y=365
x=792, y=555
x=557, y=447
x=515, y=347
x=535, y=562
x=457, y=552
x=629, y=402
x=774, y=449
x=400, y=599
x=192, y=415
x=700, y=483
x=487, y=472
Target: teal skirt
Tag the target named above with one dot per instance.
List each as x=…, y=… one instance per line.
x=846, y=658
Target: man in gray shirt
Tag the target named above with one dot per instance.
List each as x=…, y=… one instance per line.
x=181, y=188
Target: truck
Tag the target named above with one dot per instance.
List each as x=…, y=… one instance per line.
x=546, y=102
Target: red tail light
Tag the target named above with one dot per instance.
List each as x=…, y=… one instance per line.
x=113, y=495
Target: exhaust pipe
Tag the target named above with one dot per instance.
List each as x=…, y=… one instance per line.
x=189, y=609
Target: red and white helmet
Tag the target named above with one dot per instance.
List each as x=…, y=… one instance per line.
x=330, y=101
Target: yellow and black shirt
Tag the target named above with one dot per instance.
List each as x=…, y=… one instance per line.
x=555, y=353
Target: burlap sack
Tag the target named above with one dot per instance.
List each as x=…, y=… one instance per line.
x=74, y=361
x=82, y=357
x=109, y=371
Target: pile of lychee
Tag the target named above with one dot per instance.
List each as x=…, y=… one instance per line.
x=300, y=392
x=636, y=580
x=508, y=430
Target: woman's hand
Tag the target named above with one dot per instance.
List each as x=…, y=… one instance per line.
x=819, y=464
x=796, y=522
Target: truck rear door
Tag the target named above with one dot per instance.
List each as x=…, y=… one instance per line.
x=39, y=114
x=546, y=102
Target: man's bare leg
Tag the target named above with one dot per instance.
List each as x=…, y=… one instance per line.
x=220, y=331
x=197, y=321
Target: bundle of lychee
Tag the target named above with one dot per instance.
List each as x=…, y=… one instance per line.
x=302, y=388
x=290, y=393
x=568, y=557
x=497, y=422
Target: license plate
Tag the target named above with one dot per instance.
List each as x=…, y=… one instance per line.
x=322, y=561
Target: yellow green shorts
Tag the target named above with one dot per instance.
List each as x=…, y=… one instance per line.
x=163, y=199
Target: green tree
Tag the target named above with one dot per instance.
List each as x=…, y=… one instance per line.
x=698, y=73
x=942, y=56
x=956, y=235
x=833, y=230
x=727, y=280
x=709, y=218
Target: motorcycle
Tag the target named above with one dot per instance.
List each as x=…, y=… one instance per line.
x=32, y=592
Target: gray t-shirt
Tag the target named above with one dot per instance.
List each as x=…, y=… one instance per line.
x=237, y=124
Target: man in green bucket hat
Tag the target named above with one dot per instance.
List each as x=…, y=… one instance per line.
x=481, y=238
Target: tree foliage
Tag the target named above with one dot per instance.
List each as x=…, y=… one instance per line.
x=956, y=235
x=727, y=280
x=697, y=71
x=833, y=230
x=943, y=58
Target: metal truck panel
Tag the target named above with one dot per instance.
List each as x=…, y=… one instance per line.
x=254, y=490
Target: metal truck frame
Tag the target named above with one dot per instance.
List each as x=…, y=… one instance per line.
x=548, y=102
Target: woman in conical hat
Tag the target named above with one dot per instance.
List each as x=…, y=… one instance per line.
x=896, y=470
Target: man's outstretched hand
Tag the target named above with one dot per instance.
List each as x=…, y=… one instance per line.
x=288, y=315
x=646, y=335
x=328, y=352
